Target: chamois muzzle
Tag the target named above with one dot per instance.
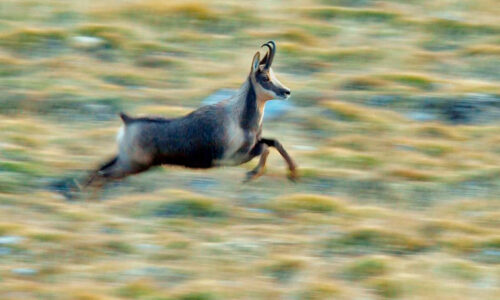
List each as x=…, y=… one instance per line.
x=283, y=93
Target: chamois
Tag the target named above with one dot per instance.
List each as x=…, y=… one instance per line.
x=225, y=133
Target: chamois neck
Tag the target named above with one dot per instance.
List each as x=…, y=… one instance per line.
x=249, y=108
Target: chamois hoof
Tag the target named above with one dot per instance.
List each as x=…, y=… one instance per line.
x=293, y=176
x=251, y=175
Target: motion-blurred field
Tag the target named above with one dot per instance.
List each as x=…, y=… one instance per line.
x=395, y=128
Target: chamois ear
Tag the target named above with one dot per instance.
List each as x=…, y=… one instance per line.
x=264, y=59
x=255, y=62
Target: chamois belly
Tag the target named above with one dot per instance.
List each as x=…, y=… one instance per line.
x=239, y=149
x=196, y=159
x=194, y=154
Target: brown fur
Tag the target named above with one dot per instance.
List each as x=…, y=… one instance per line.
x=226, y=133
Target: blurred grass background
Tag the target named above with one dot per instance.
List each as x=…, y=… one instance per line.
x=395, y=127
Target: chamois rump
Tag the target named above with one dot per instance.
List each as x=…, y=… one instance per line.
x=221, y=134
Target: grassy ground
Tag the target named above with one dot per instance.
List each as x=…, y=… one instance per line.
x=387, y=207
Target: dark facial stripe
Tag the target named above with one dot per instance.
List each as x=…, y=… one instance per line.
x=268, y=85
x=250, y=112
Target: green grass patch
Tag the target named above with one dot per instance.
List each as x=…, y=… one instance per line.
x=118, y=247
x=136, y=290
x=156, y=55
x=452, y=29
x=9, y=183
x=362, y=15
x=114, y=37
x=443, y=227
x=460, y=269
x=321, y=30
x=307, y=202
x=297, y=35
x=493, y=243
x=26, y=168
x=34, y=41
x=368, y=240
x=180, y=15
x=10, y=67
x=437, y=150
x=482, y=50
x=422, y=82
x=366, y=267
x=349, y=3
x=67, y=106
x=9, y=228
x=362, y=84
x=17, y=154
x=322, y=291
x=354, y=161
x=46, y=237
x=354, y=55
x=125, y=79
x=191, y=207
x=412, y=174
x=283, y=269
x=301, y=60
x=196, y=296
x=386, y=288
x=376, y=119
x=158, y=61
x=187, y=205
x=439, y=131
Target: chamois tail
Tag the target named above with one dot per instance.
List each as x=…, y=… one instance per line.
x=126, y=119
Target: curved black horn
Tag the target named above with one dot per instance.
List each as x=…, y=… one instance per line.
x=272, y=50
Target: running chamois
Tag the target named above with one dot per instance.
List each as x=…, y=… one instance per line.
x=227, y=133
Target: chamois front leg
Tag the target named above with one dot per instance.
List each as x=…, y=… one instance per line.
x=260, y=168
x=292, y=166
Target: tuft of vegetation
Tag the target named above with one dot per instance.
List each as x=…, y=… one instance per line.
x=387, y=288
x=190, y=205
x=197, y=296
x=113, y=37
x=351, y=55
x=482, y=50
x=131, y=79
x=180, y=15
x=118, y=247
x=366, y=267
x=452, y=29
x=283, y=269
x=368, y=240
x=363, y=84
x=461, y=270
x=412, y=174
x=414, y=80
x=307, y=202
x=366, y=15
x=322, y=290
x=34, y=41
x=136, y=290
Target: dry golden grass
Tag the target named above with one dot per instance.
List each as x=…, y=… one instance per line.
x=387, y=207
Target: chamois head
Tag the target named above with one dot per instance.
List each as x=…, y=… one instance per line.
x=262, y=76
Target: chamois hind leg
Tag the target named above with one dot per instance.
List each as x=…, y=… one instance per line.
x=95, y=174
x=95, y=179
x=292, y=166
x=114, y=169
x=261, y=166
